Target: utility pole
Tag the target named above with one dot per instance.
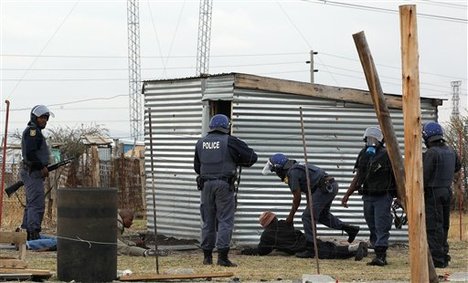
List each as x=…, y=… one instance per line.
x=455, y=98
x=204, y=36
x=311, y=62
x=134, y=70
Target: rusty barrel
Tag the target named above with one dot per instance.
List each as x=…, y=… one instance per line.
x=87, y=234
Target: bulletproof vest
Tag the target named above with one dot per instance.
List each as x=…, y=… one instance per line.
x=43, y=150
x=377, y=172
x=444, y=165
x=215, y=158
x=315, y=175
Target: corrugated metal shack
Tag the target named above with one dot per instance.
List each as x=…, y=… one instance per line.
x=264, y=113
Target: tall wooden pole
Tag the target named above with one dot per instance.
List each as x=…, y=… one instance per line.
x=4, y=158
x=309, y=193
x=383, y=114
x=420, y=259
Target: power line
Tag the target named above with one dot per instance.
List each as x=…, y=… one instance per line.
x=74, y=102
x=149, y=57
x=384, y=10
x=45, y=45
x=445, y=4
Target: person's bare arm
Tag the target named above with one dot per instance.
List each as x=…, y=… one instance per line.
x=295, y=205
x=355, y=184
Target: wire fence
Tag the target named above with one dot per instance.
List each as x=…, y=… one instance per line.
x=123, y=173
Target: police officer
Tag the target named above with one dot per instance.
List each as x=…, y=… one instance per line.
x=323, y=189
x=376, y=183
x=440, y=166
x=35, y=154
x=217, y=156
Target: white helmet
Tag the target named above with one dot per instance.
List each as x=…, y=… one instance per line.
x=40, y=110
x=373, y=132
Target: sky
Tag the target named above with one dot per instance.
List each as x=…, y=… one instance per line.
x=72, y=55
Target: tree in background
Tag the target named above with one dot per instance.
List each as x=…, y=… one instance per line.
x=456, y=134
x=69, y=140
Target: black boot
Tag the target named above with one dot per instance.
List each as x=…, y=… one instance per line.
x=208, y=257
x=380, y=258
x=33, y=235
x=223, y=258
x=351, y=230
x=361, y=251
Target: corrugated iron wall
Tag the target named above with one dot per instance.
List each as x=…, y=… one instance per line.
x=269, y=122
x=176, y=114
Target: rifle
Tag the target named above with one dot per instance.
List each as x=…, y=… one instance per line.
x=13, y=188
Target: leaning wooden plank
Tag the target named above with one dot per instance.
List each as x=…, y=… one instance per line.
x=142, y=277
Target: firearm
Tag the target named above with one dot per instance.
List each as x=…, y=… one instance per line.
x=13, y=188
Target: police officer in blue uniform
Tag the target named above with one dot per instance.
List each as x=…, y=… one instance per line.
x=217, y=156
x=35, y=154
x=323, y=189
x=375, y=181
x=440, y=167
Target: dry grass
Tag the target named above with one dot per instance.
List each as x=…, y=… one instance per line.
x=269, y=268
x=273, y=267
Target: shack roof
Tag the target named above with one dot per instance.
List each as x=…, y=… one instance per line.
x=248, y=81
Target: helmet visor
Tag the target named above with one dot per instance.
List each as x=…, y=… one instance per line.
x=40, y=110
x=267, y=169
x=371, y=141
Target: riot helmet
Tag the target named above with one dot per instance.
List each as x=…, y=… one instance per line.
x=41, y=110
x=220, y=122
x=373, y=138
x=432, y=131
x=38, y=111
x=275, y=163
x=280, y=164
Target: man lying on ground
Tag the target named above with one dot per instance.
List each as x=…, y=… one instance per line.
x=280, y=235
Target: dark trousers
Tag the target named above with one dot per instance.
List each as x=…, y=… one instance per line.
x=217, y=207
x=437, y=207
x=321, y=200
x=378, y=218
x=35, y=200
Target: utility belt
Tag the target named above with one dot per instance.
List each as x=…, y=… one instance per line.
x=426, y=189
x=326, y=183
x=201, y=181
x=28, y=168
x=363, y=192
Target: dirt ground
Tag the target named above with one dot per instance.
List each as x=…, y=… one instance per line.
x=275, y=267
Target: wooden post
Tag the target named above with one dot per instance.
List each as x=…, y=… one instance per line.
x=419, y=254
x=383, y=114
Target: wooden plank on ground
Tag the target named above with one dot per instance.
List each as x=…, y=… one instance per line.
x=21, y=273
x=152, y=277
x=12, y=263
x=17, y=238
x=13, y=237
